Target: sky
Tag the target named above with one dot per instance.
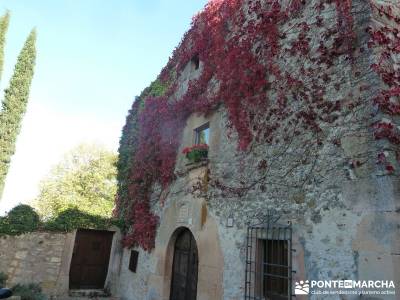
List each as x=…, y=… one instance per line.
x=93, y=58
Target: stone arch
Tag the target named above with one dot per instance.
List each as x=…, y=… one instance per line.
x=205, y=233
x=168, y=260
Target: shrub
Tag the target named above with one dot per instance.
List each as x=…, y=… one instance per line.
x=31, y=291
x=20, y=219
x=24, y=219
x=71, y=219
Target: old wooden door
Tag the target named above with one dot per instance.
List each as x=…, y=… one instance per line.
x=90, y=259
x=184, y=268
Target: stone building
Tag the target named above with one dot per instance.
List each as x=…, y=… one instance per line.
x=262, y=163
x=301, y=178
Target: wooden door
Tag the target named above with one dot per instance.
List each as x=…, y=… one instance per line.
x=90, y=259
x=184, y=268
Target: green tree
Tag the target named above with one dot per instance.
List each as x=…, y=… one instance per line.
x=14, y=104
x=85, y=180
x=4, y=20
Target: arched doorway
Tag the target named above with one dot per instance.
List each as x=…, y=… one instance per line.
x=184, y=267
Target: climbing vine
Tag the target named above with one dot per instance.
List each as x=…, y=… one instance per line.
x=385, y=41
x=259, y=61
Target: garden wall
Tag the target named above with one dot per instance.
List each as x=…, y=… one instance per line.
x=37, y=257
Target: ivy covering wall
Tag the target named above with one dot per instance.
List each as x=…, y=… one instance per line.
x=259, y=61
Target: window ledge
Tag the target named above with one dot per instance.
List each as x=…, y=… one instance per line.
x=192, y=166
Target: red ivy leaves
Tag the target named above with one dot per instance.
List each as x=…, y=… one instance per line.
x=385, y=40
x=345, y=24
x=143, y=229
x=241, y=67
x=387, y=131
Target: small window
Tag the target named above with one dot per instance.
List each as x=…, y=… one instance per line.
x=269, y=262
x=202, y=134
x=195, y=61
x=133, y=260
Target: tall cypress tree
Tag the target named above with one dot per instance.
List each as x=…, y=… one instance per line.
x=14, y=104
x=4, y=20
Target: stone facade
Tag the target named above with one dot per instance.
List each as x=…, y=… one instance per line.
x=345, y=219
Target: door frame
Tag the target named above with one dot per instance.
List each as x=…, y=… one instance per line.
x=211, y=260
x=83, y=251
x=114, y=264
x=177, y=234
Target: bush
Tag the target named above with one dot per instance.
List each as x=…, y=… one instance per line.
x=20, y=219
x=71, y=219
x=3, y=279
x=31, y=291
x=24, y=219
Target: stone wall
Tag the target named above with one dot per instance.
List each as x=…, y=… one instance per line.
x=34, y=258
x=44, y=258
x=345, y=216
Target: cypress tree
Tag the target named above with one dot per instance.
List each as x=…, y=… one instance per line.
x=4, y=20
x=14, y=104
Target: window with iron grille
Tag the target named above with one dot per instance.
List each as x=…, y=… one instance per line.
x=269, y=261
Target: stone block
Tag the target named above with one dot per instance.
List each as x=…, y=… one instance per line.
x=55, y=260
x=21, y=254
x=354, y=145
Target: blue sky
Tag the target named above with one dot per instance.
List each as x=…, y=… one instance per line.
x=93, y=58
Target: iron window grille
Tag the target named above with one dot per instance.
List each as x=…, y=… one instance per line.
x=269, y=260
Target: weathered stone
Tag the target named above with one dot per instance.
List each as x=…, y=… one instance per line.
x=21, y=254
x=343, y=207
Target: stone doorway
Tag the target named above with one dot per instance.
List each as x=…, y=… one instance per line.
x=184, y=267
x=90, y=259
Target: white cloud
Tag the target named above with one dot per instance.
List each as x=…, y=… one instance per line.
x=45, y=136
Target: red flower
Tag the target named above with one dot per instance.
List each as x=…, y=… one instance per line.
x=200, y=147
x=390, y=168
x=195, y=147
x=186, y=150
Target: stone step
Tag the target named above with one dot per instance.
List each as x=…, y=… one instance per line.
x=84, y=298
x=91, y=293
x=88, y=294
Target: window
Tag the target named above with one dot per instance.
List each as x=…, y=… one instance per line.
x=195, y=62
x=274, y=269
x=133, y=260
x=268, y=262
x=202, y=134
